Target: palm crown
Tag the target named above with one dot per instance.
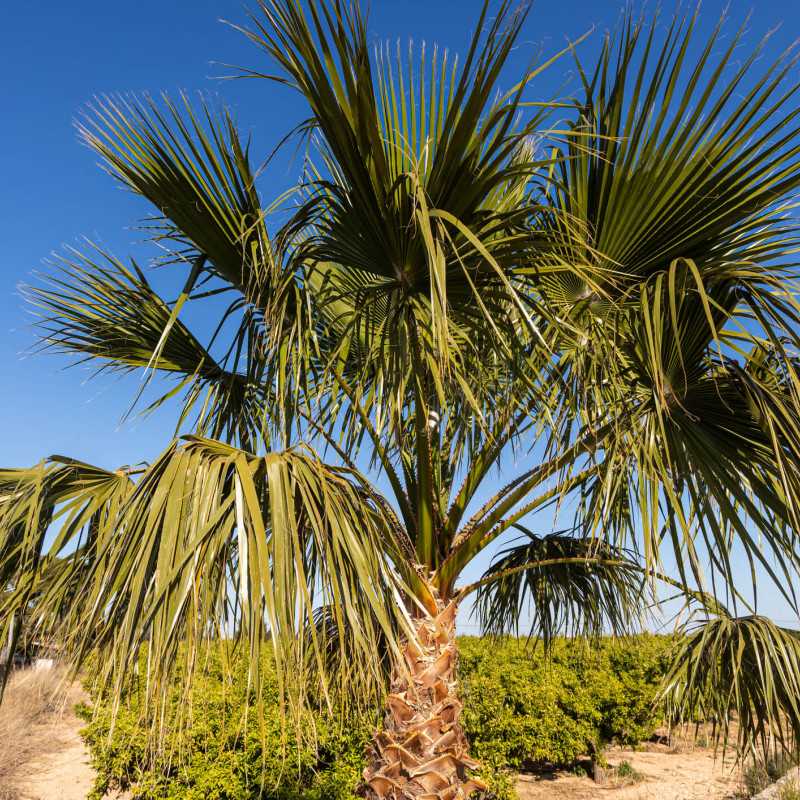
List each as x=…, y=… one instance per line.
x=454, y=281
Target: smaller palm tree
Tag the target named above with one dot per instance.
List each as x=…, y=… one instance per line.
x=454, y=283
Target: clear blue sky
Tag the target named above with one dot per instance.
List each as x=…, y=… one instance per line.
x=55, y=56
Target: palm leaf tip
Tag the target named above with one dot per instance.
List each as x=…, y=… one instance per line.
x=194, y=169
x=743, y=675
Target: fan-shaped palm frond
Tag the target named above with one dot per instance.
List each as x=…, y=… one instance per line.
x=679, y=183
x=677, y=158
x=570, y=585
x=416, y=217
x=742, y=674
x=95, y=308
x=195, y=170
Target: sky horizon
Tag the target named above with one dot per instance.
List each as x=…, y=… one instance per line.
x=59, y=56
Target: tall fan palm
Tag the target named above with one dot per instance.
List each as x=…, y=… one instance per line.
x=612, y=299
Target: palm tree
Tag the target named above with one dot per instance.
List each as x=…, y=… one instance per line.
x=457, y=279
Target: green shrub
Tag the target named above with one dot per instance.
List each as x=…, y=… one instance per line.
x=218, y=748
x=627, y=773
x=520, y=709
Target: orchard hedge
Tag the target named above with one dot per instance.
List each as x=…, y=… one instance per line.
x=522, y=708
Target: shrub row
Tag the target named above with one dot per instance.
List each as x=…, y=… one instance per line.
x=521, y=709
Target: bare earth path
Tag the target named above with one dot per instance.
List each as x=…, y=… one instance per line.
x=64, y=773
x=42, y=756
x=690, y=775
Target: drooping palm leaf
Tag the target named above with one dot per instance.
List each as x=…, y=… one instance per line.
x=695, y=460
x=215, y=541
x=742, y=674
x=566, y=585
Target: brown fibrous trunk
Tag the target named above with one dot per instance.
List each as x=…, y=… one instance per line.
x=421, y=751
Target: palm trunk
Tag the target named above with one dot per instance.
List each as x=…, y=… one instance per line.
x=421, y=752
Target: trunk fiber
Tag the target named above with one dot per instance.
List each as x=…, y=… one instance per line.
x=421, y=753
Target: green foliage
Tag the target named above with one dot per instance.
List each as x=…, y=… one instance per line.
x=521, y=708
x=631, y=674
x=222, y=745
x=628, y=773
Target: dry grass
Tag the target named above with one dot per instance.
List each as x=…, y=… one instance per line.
x=33, y=700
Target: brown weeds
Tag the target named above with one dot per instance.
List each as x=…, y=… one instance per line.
x=32, y=700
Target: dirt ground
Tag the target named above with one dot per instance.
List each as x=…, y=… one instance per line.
x=42, y=756
x=666, y=774
x=63, y=775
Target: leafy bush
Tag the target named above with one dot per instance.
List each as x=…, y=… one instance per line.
x=627, y=773
x=629, y=674
x=521, y=708
x=220, y=745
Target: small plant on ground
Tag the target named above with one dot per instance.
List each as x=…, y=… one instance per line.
x=579, y=772
x=627, y=773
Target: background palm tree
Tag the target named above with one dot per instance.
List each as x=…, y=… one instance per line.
x=454, y=280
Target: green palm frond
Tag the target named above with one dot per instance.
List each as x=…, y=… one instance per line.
x=194, y=169
x=680, y=158
x=680, y=175
x=94, y=308
x=569, y=586
x=704, y=449
x=213, y=541
x=742, y=674
x=410, y=234
x=676, y=161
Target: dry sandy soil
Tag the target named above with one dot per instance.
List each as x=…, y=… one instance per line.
x=667, y=774
x=42, y=756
